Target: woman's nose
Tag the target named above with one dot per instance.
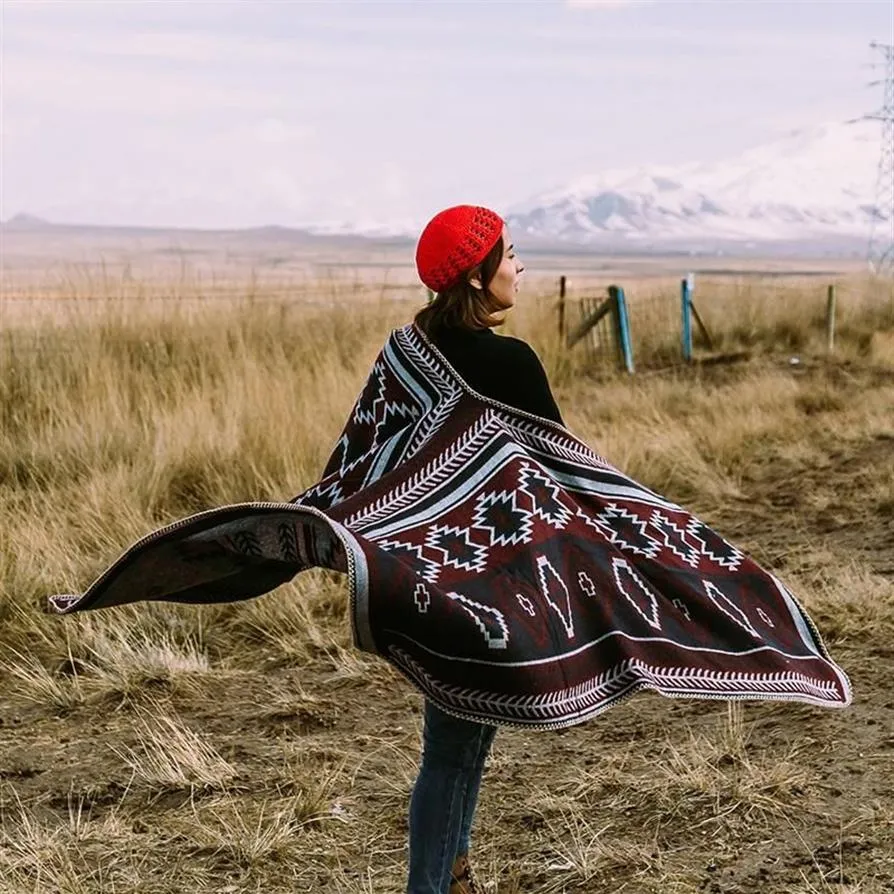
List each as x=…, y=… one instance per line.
x=519, y=268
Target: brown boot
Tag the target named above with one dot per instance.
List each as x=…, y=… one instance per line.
x=462, y=879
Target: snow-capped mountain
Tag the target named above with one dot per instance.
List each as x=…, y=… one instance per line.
x=815, y=185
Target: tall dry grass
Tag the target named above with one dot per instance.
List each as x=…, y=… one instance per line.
x=121, y=415
x=117, y=416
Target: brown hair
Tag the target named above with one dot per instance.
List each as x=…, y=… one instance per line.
x=462, y=305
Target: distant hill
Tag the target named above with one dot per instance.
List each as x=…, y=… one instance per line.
x=23, y=222
x=29, y=223
x=815, y=187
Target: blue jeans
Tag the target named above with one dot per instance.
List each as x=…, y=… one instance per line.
x=443, y=802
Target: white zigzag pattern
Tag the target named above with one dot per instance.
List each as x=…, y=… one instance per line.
x=380, y=371
x=421, y=359
x=530, y=474
x=558, y=443
x=381, y=408
x=432, y=568
x=602, y=525
x=331, y=491
x=578, y=703
x=429, y=421
x=435, y=473
x=689, y=552
x=343, y=442
x=682, y=609
x=730, y=562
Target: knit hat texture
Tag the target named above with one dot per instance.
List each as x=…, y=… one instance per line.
x=455, y=241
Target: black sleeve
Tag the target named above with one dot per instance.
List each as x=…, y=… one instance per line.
x=525, y=382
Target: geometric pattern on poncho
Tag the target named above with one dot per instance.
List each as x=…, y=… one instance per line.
x=508, y=571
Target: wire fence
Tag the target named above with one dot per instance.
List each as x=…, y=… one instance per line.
x=651, y=329
x=600, y=342
x=691, y=319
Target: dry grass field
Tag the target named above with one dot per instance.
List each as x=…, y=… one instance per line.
x=248, y=748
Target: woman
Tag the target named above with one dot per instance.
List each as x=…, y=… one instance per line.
x=507, y=571
x=466, y=257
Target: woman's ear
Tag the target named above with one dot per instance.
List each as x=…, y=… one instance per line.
x=474, y=279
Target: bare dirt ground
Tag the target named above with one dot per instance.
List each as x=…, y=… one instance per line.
x=653, y=796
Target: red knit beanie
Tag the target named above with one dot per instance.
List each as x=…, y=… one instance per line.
x=455, y=241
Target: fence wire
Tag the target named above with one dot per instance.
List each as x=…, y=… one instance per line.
x=600, y=344
x=786, y=313
x=796, y=313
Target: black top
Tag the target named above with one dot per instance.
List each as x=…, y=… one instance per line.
x=500, y=367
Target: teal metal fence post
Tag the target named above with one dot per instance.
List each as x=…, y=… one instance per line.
x=625, y=346
x=686, y=301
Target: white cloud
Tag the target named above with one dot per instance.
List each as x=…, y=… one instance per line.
x=90, y=87
x=167, y=45
x=604, y=4
x=248, y=171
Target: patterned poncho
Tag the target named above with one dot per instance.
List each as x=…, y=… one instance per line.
x=510, y=573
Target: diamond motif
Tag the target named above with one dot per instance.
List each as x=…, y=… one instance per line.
x=729, y=608
x=456, y=546
x=765, y=618
x=552, y=585
x=545, y=497
x=526, y=604
x=499, y=513
x=637, y=592
x=625, y=529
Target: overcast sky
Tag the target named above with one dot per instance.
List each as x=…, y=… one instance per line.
x=219, y=114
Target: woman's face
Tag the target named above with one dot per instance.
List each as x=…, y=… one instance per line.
x=504, y=286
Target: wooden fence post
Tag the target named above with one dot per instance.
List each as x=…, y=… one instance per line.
x=561, y=308
x=686, y=301
x=830, y=319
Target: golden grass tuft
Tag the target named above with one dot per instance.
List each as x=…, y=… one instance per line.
x=248, y=833
x=172, y=757
x=33, y=682
x=846, y=599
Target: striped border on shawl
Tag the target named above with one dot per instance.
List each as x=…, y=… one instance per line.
x=567, y=707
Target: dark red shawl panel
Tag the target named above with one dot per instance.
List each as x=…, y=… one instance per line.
x=507, y=570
